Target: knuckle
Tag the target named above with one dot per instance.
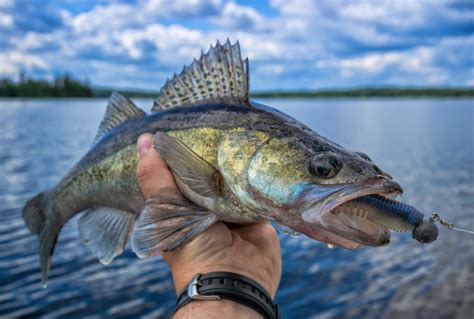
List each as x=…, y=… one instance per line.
x=269, y=231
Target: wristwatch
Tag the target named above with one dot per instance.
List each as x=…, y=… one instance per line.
x=230, y=286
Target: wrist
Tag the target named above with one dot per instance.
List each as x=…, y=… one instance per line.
x=182, y=276
x=215, y=309
x=231, y=286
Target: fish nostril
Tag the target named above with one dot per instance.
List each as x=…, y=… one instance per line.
x=380, y=173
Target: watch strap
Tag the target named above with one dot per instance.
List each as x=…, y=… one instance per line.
x=230, y=286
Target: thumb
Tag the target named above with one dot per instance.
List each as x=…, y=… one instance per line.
x=152, y=172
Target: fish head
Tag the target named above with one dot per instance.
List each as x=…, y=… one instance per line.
x=303, y=180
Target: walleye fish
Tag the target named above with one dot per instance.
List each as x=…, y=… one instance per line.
x=234, y=159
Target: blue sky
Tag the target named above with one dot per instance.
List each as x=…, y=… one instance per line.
x=291, y=44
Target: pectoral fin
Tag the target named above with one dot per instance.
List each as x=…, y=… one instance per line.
x=167, y=223
x=195, y=172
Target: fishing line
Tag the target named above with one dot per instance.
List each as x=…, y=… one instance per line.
x=435, y=217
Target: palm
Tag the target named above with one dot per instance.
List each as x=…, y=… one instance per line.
x=251, y=250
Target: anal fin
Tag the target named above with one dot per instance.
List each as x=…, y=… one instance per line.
x=167, y=223
x=105, y=231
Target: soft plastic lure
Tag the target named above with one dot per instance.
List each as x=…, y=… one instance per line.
x=393, y=215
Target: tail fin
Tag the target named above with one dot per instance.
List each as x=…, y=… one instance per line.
x=36, y=222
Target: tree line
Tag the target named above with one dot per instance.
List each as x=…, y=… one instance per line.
x=61, y=86
x=67, y=86
x=373, y=92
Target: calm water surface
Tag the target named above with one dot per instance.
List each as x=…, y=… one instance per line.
x=427, y=145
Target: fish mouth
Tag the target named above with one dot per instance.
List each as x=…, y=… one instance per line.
x=327, y=222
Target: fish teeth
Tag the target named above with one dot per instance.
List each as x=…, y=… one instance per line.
x=331, y=246
x=393, y=196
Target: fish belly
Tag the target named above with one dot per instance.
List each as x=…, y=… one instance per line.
x=110, y=182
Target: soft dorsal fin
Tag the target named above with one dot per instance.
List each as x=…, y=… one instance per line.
x=119, y=110
x=220, y=75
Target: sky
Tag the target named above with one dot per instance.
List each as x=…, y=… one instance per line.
x=291, y=44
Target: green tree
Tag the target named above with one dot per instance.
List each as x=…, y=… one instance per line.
x=62, y=86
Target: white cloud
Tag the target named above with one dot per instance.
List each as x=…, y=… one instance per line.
x=6, y=4
x=372, y=63
x=178, y=9
x=401, y=13
x=106, y=17
x=14, y=62
x=234, y=15
x=172, y=42
x=299, y=8
x=303, y=44
x=271, y=68
x=117, y=16
x=6, y=21
x=416, y=61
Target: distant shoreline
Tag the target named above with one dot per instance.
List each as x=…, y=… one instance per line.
x=66, y=86
x=330, y=94
x=354, y=93
x=283, y=95
x=373, y=92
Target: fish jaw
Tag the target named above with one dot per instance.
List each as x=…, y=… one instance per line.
x=321, y=223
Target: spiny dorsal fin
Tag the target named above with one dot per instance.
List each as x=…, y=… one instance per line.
x=119, y=110
x=220, y=75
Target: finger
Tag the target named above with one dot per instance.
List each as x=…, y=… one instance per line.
x=152, y=172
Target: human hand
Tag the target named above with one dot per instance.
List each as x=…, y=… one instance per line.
x=251, y=250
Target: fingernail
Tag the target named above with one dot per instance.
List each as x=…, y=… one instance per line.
x=144, y=144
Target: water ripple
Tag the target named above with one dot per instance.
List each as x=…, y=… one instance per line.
x=434, y=161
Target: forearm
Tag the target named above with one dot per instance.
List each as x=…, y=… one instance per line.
x=220, y=309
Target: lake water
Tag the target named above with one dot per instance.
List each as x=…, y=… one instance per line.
x=426, y=144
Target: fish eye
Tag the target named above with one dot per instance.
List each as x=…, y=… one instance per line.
x=325, y=165
x=364, y=156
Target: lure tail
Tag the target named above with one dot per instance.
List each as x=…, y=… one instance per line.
x=393, y=215
x=35, y=220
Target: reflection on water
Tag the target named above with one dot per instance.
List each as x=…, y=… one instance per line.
x=427, y=145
